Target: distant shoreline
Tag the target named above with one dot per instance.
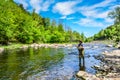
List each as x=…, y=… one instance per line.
x=34, y=45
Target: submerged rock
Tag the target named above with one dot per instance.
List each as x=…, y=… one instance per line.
x=99, y=57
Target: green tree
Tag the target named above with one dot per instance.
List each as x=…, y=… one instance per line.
x=16, y=24
x=46, y=23
x=115, y=15
x=82, y=36
x=60, y=28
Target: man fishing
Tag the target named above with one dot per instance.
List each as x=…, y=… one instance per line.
x=81, y=52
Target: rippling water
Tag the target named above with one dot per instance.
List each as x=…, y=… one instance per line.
x=48, y=63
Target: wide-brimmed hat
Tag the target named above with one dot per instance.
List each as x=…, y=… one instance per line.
x=80, y=41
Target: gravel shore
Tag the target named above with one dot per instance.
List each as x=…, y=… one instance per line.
x=36, y=46
x=110, y=66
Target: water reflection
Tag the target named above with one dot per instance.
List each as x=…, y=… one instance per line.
x=18, y=64
x=81, y=61
x=81, y=64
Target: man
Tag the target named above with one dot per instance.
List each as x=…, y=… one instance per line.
x=81, y=53
x=81, y=49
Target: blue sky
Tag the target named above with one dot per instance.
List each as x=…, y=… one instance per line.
x=87, y=16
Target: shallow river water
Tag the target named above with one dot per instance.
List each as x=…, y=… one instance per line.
x=48, y=63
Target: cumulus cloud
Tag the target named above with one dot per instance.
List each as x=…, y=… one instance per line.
x=103, y=4
x=67, y=18
x=40, y=5
x=24, y=2
x=96, y=11
x=66, y=8
x=91, y=12
x=87, y=22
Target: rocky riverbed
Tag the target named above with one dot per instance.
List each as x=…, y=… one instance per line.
x=101, y=62
x=109, y=68
x=110, y=65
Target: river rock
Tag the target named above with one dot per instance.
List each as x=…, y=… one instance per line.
x=1, y=50
x=96, y=67
x=110, y=65
x=118, y=46
x=99, y=57
x=86, y=76
x=24, y=47
x=109, y=45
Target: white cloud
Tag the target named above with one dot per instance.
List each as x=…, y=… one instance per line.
x=94, y=12
x=70, y=18
x=108, y=20
x=41, y=5
x=24, y=2
x=67, y=18
x=66, y=8
x=103, y=4
x=46, y=5
x=63, y=17
x=38, y=5
x=87, y=22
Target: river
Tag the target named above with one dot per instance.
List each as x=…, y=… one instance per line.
x=48, y=63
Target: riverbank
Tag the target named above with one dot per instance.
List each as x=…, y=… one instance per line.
x=109, y=43
x=34, y=45
x=110, y=66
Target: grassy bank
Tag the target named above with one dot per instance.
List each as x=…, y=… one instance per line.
x=20, y=45
x=13, y=46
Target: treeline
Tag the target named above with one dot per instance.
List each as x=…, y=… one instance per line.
x=112, y=32
x=18, y=25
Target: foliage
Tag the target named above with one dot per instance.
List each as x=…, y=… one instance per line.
x=112, y=32
x=18, y=25
x=115, y=14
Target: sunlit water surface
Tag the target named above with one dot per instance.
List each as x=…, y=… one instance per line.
x=48, y=63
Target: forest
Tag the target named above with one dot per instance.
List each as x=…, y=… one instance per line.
x=18, y=25
x=111, y=32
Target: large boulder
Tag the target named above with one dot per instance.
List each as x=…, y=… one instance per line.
x=86, y=76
